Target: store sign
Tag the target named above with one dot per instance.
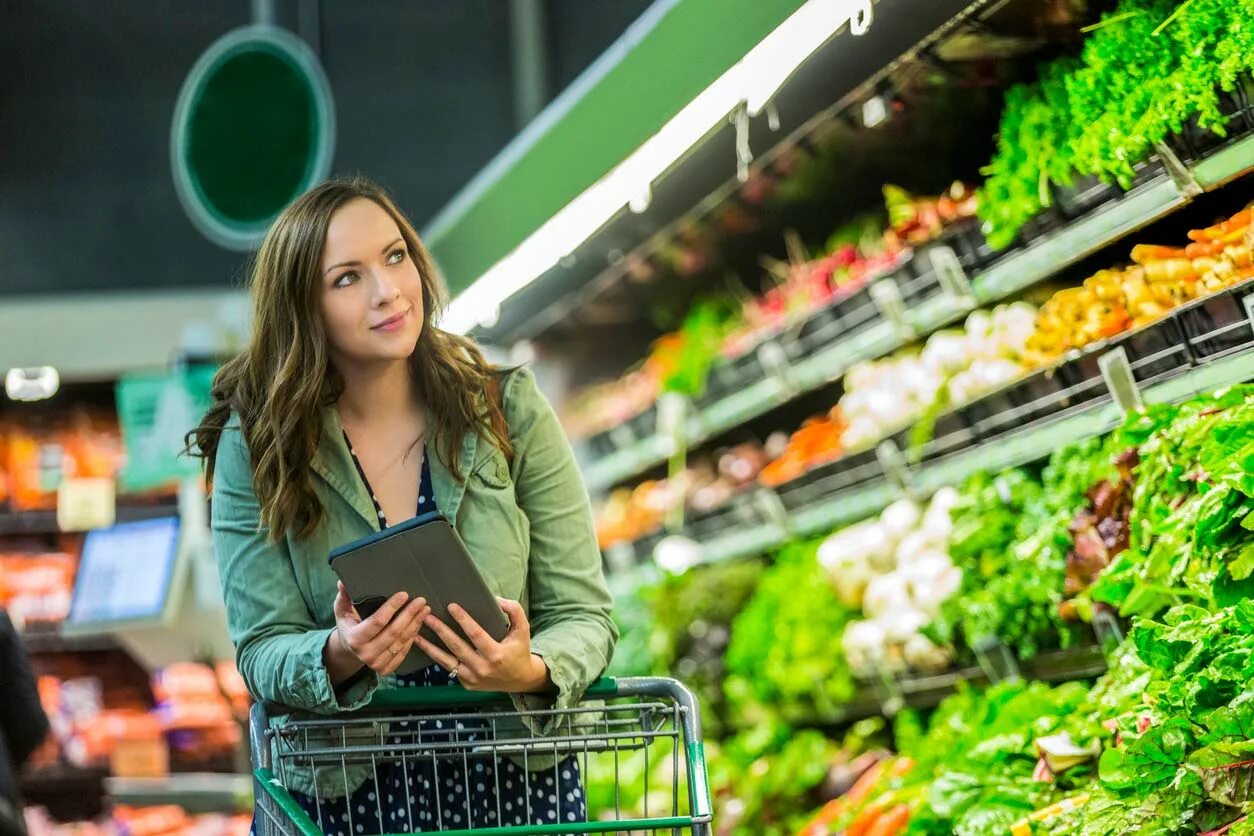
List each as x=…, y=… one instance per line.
x=254, y=127
x=84, y=504
x=156, y=412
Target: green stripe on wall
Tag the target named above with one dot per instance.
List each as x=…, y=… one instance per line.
x=689, y=45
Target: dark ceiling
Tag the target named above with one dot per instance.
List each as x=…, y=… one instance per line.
x=423, y=93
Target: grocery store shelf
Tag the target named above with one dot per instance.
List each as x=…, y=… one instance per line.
x=203, y=792
x=70, y=793
x=1009, y=275
x=1086, y=236
x=29, y=523
x=44, y=640
x=828, y=511
x=926, y=691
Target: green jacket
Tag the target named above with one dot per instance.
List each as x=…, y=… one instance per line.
x=526, y=522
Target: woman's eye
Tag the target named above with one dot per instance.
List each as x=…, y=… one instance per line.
x=345, y=279
x=396, y=257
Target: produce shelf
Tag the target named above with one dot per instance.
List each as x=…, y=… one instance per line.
x=195, y=792
x=814, y=509
x=29, y=523
x=49, y=640
x=927, y=691
x=1152, y=200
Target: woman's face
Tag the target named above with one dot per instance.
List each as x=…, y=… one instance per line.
x=371, y=288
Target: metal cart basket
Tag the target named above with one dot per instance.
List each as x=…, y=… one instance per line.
x=637, y=743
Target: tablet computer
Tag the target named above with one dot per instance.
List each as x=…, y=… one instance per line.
x=425, y=558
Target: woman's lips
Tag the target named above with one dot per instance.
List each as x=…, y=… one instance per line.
x=392, y=323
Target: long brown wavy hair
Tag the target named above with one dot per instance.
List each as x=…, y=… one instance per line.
x=283, y=380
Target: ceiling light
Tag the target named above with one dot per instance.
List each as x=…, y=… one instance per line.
x=750, y=83
x=35, y=384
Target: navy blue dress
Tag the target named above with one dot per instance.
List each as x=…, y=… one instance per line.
x=424, y=797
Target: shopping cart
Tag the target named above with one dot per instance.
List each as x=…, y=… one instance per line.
x=638, y=739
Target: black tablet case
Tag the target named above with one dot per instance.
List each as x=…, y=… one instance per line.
x=424, y=557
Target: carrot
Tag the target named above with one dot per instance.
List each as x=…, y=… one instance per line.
x=1220, y=231
x=1172, y=270
x=866, y=782
x=892, y=822
x=1145, y=253
x=864, y=821
x=1200, y=249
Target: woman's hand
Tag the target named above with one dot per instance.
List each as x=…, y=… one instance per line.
x=379, y=642
x=485, y=664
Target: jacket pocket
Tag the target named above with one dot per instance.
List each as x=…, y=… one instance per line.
x=494, y=528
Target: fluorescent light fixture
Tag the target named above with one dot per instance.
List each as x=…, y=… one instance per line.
x=35, y=384
x=750, y=83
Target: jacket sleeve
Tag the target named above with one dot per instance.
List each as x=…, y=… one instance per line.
x=22, y=720
x=569, y=604
x=278, y=645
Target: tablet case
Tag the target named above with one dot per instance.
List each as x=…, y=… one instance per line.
x=424, y=557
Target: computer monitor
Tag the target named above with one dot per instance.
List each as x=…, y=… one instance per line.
x=125, y=575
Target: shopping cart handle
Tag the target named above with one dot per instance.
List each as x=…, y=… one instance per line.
x=452, y=696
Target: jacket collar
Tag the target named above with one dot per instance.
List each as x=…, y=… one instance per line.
x=334, y=464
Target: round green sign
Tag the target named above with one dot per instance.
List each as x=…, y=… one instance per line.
x=253, y=128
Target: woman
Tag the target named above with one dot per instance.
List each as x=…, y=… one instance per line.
x=350, y=410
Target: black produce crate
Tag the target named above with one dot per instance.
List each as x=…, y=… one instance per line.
x=644, y=425
x=1032, y=398
x=1195, y=142
x=966, y=239
x=740, y=511
x=828, y=479
x=838, y=321
x=1218, y=325
x=1046, y=222
x=730, y=376
x=601, y=445
x=917, y=281
x=1156, y=352
x=1148, y=171
x=952, y=432
x=1085, y=194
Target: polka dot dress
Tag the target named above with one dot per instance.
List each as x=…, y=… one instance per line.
x=419, y=795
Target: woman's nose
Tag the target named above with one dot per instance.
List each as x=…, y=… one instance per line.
x=385, y=290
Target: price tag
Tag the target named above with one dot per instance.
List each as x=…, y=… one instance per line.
x=888, y=690
x=953, y=279
x=85, y=504
x=774, y=362
x=1179, y=173
x=622, y=436
x=894, y=465
x=671, y=411
x=1117, y=372
x=1248, y=301
x=772, y=507
x=996, y=660
x=887, y=298
x=1107, y=629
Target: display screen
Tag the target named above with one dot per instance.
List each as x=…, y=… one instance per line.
x=124, y=572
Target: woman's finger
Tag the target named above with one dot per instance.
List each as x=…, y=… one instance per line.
x=517, y=615
x=404, y=625
x=478, y=636
x=379, y=620
x=398, y=658
x=438, y=655
x=455, y=643
x=344, y=609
